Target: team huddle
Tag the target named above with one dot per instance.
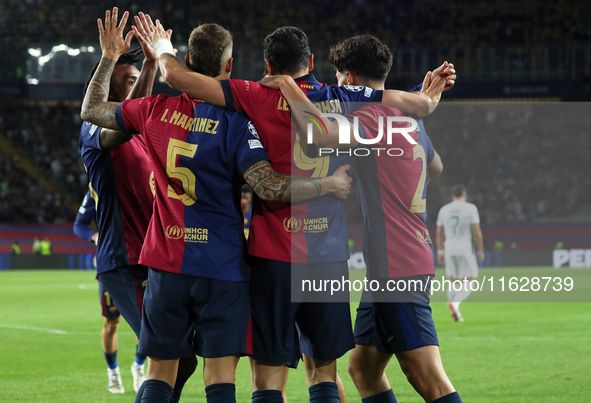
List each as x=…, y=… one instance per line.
x=166, y=175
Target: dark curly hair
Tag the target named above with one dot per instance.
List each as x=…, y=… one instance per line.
x=364, y=55
x=129, y=57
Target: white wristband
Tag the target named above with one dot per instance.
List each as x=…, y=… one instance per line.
x=162, y=46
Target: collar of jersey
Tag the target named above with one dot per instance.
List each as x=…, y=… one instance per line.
x=309, y=78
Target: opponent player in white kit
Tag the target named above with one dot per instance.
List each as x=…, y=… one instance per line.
x=458, y=234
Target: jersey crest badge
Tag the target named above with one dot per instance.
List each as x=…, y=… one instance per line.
x=353, y=88
x=253, y=130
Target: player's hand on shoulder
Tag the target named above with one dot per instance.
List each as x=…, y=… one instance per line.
x=275, y=82
x=342, y=182
x=113, y=44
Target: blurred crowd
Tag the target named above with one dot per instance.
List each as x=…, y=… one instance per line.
x=421, y=22
x=521, y=162
x=46, y=134
x=510, y=169
x=411, y=21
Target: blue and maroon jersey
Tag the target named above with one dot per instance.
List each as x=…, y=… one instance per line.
x=392, y=193
x=200, y=152
x=86, y=215
x=119, y=182
x=315, y=232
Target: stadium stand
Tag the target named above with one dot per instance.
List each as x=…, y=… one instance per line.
x=506, y=186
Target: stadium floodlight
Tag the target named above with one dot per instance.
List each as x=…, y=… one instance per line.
x=35, y=52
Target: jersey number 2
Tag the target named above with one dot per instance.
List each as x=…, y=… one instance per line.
x=184, y=175
x=418, y=204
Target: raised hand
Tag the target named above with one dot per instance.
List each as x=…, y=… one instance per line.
x=111, y=38
x=144, y=30
x=434, y=84
x=447, y=71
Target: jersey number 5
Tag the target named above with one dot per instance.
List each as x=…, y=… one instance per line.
x=184, y=175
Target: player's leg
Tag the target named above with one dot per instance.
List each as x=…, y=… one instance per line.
x=137, y=369
x=367, y=370
x=366, y=364
x=109, y=340
x=166, y=334
x=275, y=343
x=325, y=335
x=424, y=370
x=468, y=272
x=222, y=314
x=339, y=381
x=186, y=368
x=159, y=383
x=321, y=376
x=452, y=272
x=219, y=379
x=341, y=388
x=407, y=330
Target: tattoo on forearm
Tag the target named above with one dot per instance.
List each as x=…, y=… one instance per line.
x=270, y=185
x=95, y=108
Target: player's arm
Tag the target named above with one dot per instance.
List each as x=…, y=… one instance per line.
x=82, y=230
x=145, y=82
x=95, y=108
x=142, y=88
x=86, y=214
x=478, y=241
x=270, y=185
x=439, y=242
x=327, y=135
x=435, y=167
x=424, y=102
x=174, y=73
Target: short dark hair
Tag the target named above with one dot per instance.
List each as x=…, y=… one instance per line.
x=130, y=57
x=364, y=55
x=287, y=49
x=207, y=45
x=458, y=190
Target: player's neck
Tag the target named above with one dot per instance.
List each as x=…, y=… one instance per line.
x=372, y=84
x=295, y=76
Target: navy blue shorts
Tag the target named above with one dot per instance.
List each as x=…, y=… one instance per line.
x=108, y=307
x=186, y=315
x=395, y=327
x=282, y=330
x=126, y=286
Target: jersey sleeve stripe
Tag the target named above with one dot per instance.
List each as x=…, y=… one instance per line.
x=251, y=161
x=121, y=121
x=226, y=87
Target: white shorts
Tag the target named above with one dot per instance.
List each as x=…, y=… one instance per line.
x=461, y=266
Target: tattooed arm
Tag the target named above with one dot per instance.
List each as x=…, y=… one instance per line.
x=95, y=108
x=273, y=186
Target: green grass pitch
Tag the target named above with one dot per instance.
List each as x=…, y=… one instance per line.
x=510, y=352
